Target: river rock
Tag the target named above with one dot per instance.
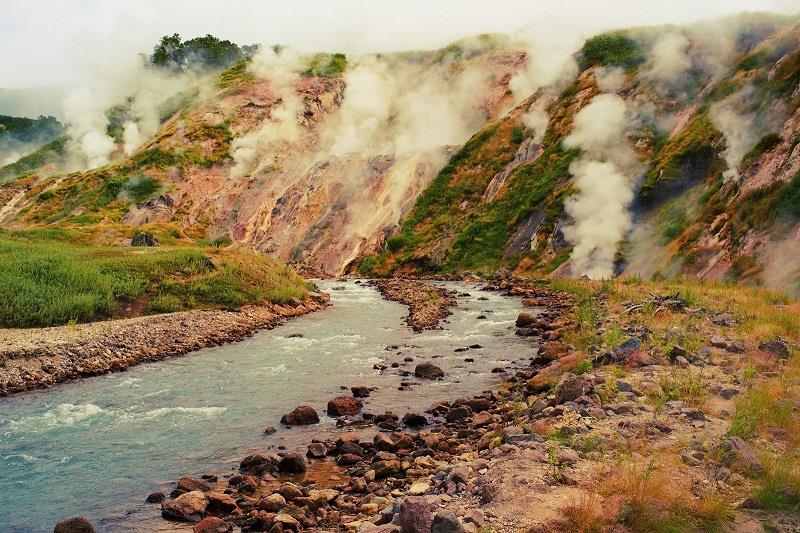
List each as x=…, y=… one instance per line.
x=212, y=524
x=189, y=484
x=525, y=319
x=188, y=507
x=360, y=391
x=484, y=418
x=570, y=387
x=272, y=503
x=384, y=469
x=428, y=371
x=292, y=463
x=414, y=515
x=458, y=413
x=414, y=420
x=317, y=450
x=220, y=504
x=383, y=443
x=302, y=415
x=77, y=524
x=344, y=406
x=290, y=491
x=446, y=522
x=155, y=497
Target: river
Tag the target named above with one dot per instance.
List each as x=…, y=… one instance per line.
x=96, y=447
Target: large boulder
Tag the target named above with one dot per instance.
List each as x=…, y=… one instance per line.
x=571, y=387
x=188, y=507
x=344, y=406
x=302, y=415
x=525, y=319
x=77, y=524
x=428, y=371
x=415, y=515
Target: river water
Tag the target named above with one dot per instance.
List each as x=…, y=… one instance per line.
x=98, y=446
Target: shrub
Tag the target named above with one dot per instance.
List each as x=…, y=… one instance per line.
x=610, y=49
x=396, y=243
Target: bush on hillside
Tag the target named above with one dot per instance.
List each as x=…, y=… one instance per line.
x=610, y=50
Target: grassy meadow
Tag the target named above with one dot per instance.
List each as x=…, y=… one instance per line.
x=48, y=282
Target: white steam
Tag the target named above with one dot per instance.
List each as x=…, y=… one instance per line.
x=549, y=60
x=397, y=107
x=536, y=120
x=605, y=181
x=254, y=150
x=85, y=112
x=142, y=91
x=669, y=59
x=742, y=126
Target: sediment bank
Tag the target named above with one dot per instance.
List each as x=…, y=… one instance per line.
x=427, y=304
x=42, y=357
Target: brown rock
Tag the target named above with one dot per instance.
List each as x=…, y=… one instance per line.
x=414, y=515
x=384, y=469
x=428, y=371
x=189, y=484
x=570, y=387
x=220, y=504
x=302, y=415
x=344, y=406
x=188, y=507
x=78, y=524
x=212, y=524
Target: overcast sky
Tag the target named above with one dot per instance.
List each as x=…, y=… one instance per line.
x=64, y=42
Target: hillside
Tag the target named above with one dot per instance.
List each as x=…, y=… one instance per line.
x=670, y=151
x=711, y=173
x=306, y=158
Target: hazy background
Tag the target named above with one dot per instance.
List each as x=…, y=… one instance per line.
x=60, y=42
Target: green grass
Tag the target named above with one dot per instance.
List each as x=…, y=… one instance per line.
x=48, y=282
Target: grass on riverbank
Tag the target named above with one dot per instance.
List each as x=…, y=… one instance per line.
x=765, y=414
x=47, y=282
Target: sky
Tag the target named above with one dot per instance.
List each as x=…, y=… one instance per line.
x=67, y=42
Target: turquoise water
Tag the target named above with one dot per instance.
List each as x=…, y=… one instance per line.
x=97, y=447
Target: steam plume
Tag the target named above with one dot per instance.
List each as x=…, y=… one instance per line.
x=603, y=177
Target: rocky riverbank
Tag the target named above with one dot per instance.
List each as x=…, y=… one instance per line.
x=618, y=420
x=403, y=471
x=37, y=358
x=427, y=304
